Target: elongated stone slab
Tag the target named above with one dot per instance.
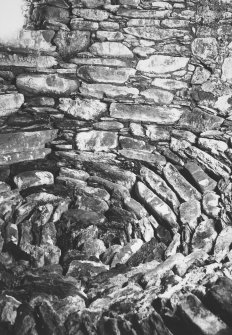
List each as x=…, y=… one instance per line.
x=25, y=141
x=111, y=49
x=154, y=158
x=158, y=114
x=184, y=189
x=16, y=157
x=33, y=178
x=162, y=64
x=159, y=186
x=10, y=103
x=157, y=206
x=204, y=182
x=51, y=84
x=91, y=14
x=134, y=13
x=111, y=91
x=154, y=33
x=36, y=40
x=27, y=60
x=95, y=140
x=223, y=243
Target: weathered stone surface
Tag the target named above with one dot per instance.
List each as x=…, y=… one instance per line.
x=135, y=207
x=154, y=33
x=199, y=121
x=51, y=14
x=36, y=40
x=111, y=49
x=113, y=36
x=11, y=158
x=27, y=61
x=204, y=236
x=213, y=146
x=157, y=133
x=10, y=103
x=160, y=115
x=71, y=43
x=154, y=159
x=162, y=64
x=210, y=204
x=200, y=76
x=223, y=244
x=173, y=246
x=158, y=96
x=201, y=319
x=138, y=13
x=101, y=74
x=157, y=206
x=190, y=211
x=108, y=125
x=91, y=14
x=204, y=182
x=183, y=188
x=125, y=253
x=95, y=140
x=88, y=3
x=77, y=24
x=211, y=164
x=33, y=178
x=25, y=141
x=73, y=173
x=134, y=144
x=51, y=84
x=159, y=186
x=84, y=109
x=205, y=49
x=108, y=90
x=169, y=84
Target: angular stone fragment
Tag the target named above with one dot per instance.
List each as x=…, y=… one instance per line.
x=158, y=114
x=190, y=212
x=204, y=182
x=199, y=121
x=183, y=188
x=197, y=257
x=210, y=204
x=36, y=40
x=80, y=269
x=10, y=103
x=169, y=84
x=158, y=96
x=153, y=33
x=204, y=236
x=27, y=61
x=33, y=178
x=211, y=164
x=162, y=64
x=51, y=84
x=111, y=49
x=135, y=207
x=95, y=140
x=15, y=157
x=223, y=244
x=157, y=206
x=200, y=319
x=205, y=49
x=101, y=74
x=71, y=43
x=84, y=109
x=159, y=186
x=110, y=91
x=23, y=141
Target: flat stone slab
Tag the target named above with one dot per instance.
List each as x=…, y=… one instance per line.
x=48, y=84
x=204, y=182
x=10, y=103
x=111, y=49
x=33, y=178
x=95, y=140
x=158, y=114
x=27, y=60
x=25, y=141
x=155, y=34
x=15, y=157
x=162, y=64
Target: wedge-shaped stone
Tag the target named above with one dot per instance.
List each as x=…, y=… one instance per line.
x=199, y=121
x=199, y=318
x=70, y=43
x=158, y=114
x=182, y=187
x=204, y=236
x=15, y=157
x=159, y=186
x=51, y=84
x=95, y=140
x=111, y=49
x=154, y=33
x=36, y=40
x=157, y=207
x=10, y=103
x=101, y=74
x=23, y=141
x=33, y=178
x=162, y=64
x=108, y=90
x=204, y=182
x=91, y=14
x=223, y=244
x=84, y=109
x=27, y=60
x=211, y=164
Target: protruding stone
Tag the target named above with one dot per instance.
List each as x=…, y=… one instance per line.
x=210, y=204
x=33, y=178
x=183, y=188
x=162, y=64
x=27, y=61
x=223, y=244
x=157, y=206
x=95, y=140
x=204, y=182
x=204, y=236
x=190, y=212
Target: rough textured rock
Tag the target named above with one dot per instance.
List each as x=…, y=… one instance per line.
x=96, y=140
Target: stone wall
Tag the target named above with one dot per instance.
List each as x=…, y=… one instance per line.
x=115, y=165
